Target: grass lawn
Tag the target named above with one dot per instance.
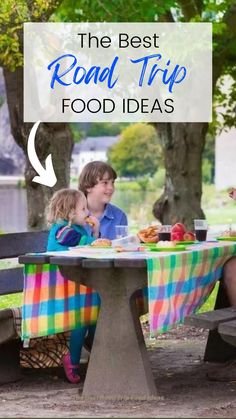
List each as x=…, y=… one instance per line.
x=11, y=300
x=210, y=302
x=217, y=206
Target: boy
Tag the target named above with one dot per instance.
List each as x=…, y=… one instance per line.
x=97, y=182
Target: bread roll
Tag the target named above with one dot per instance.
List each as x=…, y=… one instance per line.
x=101, y=242
x=89, y=221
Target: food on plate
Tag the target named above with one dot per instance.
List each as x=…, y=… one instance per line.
x=90, y=221
x=101, y=243
x=149, y=234
x=131, y=248
x=229, y=233
x=177, y=232
x=189, y=235
x=165, y=243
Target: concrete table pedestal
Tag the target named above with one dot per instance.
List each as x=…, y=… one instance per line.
x=119, y=366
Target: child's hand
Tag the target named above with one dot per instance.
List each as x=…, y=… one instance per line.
x=232, y=193
x=95, y=225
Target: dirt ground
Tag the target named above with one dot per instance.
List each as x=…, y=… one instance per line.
x=180, y=376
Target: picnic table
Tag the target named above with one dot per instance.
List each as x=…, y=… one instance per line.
x=178, y=284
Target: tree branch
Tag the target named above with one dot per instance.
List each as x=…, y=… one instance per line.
x=166, y=17
x=189, y=9
x=104, y=8
x=199, y=6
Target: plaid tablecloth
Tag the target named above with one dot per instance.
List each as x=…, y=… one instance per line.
x=178, y=284
x=54, y=304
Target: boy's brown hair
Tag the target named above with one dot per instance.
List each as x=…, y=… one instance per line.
x=62, y=203
x=93, y=172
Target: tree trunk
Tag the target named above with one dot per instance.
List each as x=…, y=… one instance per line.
x=182, y=146
x=51, y=138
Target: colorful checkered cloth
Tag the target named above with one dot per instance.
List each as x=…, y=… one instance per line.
x=180, y=283
x=53, y=304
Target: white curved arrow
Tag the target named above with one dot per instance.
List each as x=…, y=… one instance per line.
x=46, y=176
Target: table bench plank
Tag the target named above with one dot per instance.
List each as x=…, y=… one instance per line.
x=228, y=328
x=211, y=319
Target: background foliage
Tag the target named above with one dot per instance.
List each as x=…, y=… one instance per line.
x=138, y=152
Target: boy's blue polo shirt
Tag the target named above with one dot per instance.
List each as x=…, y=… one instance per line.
x=111, y=217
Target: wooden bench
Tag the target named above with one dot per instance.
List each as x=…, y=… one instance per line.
x=221, y=322
x=13, y=245
x=212, y=319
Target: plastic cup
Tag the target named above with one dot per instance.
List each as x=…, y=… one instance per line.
x=164, y=233
x=121, y=231
x=200, y=228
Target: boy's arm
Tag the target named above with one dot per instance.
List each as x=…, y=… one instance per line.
x=124, y=220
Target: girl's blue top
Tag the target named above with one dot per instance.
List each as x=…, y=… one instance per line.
x=78, y=235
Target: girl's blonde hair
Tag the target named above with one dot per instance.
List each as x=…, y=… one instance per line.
x=62, y=203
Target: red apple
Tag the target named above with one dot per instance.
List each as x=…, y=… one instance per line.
x=189, y=236
x=178, y=227
x=177, y=236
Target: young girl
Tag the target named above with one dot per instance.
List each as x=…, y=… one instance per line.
x=68, y=216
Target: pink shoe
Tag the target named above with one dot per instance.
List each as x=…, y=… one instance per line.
x=71, y=371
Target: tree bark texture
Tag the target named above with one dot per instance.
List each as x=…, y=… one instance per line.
x=182, y=146
x=50, y=138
